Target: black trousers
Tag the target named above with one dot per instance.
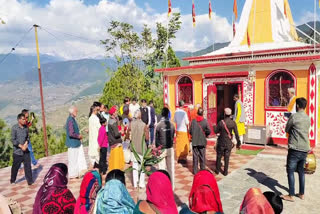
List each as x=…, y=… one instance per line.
x=17, y=160
x=199, y=155
x=103, y=167
x=226, y=153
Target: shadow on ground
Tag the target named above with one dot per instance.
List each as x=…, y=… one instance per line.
x=267, y=181
x=35, y=174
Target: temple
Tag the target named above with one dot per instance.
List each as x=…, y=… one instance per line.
x=262, y=61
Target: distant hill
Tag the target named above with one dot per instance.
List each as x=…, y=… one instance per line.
x=71, y=72
x=217, y=46
x=15, y=64
x=307, y=30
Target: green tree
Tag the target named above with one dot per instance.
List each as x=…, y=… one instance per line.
x=5, y=145
x=137, y=56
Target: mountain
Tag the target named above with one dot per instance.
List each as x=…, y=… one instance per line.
x=14, y=65
x=71, y=72
x=307, y=30
x=181, y=54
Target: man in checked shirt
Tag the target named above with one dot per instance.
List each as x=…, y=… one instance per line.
x=21, y=154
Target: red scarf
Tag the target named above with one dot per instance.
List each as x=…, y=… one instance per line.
x=255, y=202
x=199, y=118
x=205, y=195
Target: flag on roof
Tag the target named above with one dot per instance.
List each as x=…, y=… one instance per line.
x=285, y=8
x=210, y=9
x=234, y=29
x=169, y=8
x=235, y=10
x=248, y=38
x=193, y=14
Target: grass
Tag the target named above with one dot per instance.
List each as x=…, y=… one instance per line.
x=248, y=152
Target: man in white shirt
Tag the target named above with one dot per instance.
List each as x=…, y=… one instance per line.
x=182, y=140
x=133, y=107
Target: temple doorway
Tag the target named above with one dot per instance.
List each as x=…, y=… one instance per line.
x=225, y=95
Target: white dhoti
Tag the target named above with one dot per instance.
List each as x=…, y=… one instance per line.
x=76, y=162
x=136, y=167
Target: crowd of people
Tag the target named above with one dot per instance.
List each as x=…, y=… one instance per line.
x=111, y=128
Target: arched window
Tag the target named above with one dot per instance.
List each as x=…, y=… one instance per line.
x=277, y=85
x=184, y=86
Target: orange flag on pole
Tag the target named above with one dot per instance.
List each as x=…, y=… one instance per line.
x=210, y=9
x=169, y=7
x=193, y=14
x=235, y=10
x=285, y=8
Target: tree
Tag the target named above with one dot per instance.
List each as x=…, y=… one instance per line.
x=5, y=145
x=137, y=56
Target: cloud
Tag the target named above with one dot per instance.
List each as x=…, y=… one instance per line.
x=308, y=16
x=72, y=29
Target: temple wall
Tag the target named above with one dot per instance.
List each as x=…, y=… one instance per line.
x=302, y=91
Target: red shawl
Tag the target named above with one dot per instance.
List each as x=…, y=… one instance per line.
x=160, y=194
x=205, y=195
x=255, y=202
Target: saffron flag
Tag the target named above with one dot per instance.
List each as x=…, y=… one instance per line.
x=248, y=38
x=235, y=10
x=234, y=29
x=193, y=14
x=210, y=9
x=285, y=8
x=169, y=7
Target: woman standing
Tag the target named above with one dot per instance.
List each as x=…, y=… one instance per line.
x=94, y=126
x=116, y=159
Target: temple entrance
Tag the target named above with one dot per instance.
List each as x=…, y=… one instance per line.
x=220, y=96
x=225, y=95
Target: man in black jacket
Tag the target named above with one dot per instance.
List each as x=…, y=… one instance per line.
x=224, y=145
x=165, y=131
x=199, y=131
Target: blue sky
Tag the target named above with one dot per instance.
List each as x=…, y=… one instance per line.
x=90, y=19
x=221, y=7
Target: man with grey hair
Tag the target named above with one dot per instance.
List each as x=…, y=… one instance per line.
x=76, y=160
x=137, y=129
x=292, y=101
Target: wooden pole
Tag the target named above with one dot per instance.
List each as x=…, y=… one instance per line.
x=45, y=138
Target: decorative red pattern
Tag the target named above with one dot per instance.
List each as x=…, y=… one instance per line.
x=276, y=121
x=227, y=74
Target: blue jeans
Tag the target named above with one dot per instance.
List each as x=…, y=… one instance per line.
x=295, y=163
x=33, y=159
x=151, y=130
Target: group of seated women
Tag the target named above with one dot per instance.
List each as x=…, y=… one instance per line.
x=204, y=198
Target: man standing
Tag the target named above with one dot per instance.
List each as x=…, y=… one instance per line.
x=224, y=143
x=199, y=131
x=76, y=158
x=133, y=107
x=297, y=127
x=94, y=126
x=137, y=129
x=21, y=154
x=25, y=112
x=239, y=117
x=126, y=103
x=182, y=140
x=144, y=112
x=165, y=131
x=292, y=101
x=152, y=116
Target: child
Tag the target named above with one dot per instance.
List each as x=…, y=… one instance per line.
x=103, y=143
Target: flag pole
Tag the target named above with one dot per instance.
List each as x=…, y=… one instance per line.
x=41, y=93
x=314, y=26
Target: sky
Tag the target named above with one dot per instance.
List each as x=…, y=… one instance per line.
x=72, y=29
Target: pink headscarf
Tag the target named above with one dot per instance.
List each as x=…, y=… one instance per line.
x=160, y=194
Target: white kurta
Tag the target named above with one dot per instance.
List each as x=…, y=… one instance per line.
x=94, y=126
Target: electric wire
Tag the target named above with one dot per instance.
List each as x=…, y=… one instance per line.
x=17, y=44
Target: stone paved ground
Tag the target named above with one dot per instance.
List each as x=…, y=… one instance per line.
x=183, y=179
x=268, y=173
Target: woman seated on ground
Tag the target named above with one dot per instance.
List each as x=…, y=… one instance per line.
x=90, y=186
x=256, y=202
x=160, y=197
x=114, y=197
x=54, y=195
x=204, y=197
